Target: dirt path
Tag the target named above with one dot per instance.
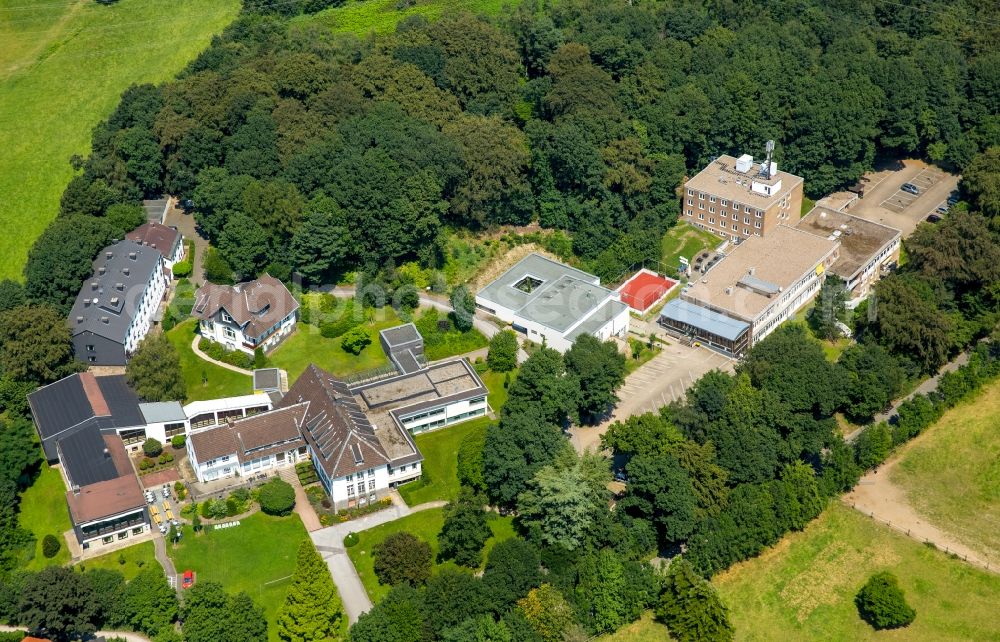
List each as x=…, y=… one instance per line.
x=876, y=496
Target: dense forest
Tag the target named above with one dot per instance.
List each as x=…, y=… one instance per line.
x=300, y=150
x=319, y=154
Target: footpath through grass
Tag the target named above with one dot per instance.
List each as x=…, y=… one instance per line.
x=128, y=561
x=645, y=629
x=804, y=587
x=951, y=472
x=63, y=66
x=258, y=557
x=426, y=525
x=204, y=380
x=362, y=17
x=44, y=512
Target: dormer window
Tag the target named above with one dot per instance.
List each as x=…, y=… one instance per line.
x=226, y=318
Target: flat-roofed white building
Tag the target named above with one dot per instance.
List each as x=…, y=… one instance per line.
x=210, y=412
x=865, y=246
x=751, y=291
x=553, y=303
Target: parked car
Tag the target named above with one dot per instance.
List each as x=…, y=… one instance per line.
x=942, y=210
x=187, y=580
x=163, y=529
x=933, y=218
x=909, y=188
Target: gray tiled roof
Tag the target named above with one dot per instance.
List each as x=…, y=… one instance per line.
x=107, y=300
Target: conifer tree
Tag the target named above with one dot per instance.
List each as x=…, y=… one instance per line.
x=691, y=608
x=312, y=609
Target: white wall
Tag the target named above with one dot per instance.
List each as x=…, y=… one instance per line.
x=216, y=331
x=339, y=486
x=444, y=416
x=142, y=318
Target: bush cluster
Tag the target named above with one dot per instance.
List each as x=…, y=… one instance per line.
x=221, y=353
x=276, y=497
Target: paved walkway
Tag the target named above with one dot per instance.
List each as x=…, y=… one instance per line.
x=929, y=385
x=201, y=355
x=160, y=551
x=303, y=507
x=330, y=544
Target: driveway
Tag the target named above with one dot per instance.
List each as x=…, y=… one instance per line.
x=329, y=542
x=665, y=378
x=185, y=224
x=885, y=203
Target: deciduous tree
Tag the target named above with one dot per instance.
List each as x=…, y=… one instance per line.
x=465, y=530
x=691, y=607
x=154, y=371
x=402, y=558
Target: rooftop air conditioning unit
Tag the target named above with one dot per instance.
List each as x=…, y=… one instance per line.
x=744, y=163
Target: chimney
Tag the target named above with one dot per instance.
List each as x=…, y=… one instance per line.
x=107, y=453
x=93, y=285
x=132, y=255
x=79, y=319
x=105, y=320
x=125, y=271
x=108, y=255
x=102, y=270
x=76, y=489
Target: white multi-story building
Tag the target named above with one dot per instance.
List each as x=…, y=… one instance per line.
x=257, y=443
x=552, y=303
x=246, y=316
x=751, y=291
x=116, y=306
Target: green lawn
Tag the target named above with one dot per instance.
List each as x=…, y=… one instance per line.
x=685, y=240
x=44, y=512
x=63, y=66
x=362, y=17
x=807, y=205
x=220, y=381
x=951, y=473
x=137, y=558
x=439, y=478
x=804, y=587
x=440, y=449
x=258, y=557
x=307, y=346
x=426, y=525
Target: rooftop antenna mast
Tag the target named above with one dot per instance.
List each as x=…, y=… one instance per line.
x=769, y=148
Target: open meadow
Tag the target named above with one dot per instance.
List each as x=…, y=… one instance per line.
x=63, y=67
x=362, y=17
x=950, y=474
x=803, y=588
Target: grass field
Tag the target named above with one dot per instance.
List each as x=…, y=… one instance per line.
x=307, y=346
x=220, y=381
x=44, y=512
x=439, y=478
x=63, y=66
x=362, y=17
x=137, y=558
x=646, y=629
x=426, y=525
x=803, y=588
x=951, y=473
x=258, y=557
x=685, y=240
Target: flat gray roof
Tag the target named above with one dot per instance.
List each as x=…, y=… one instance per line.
x=608, y=311
x=503, y=293
x=401, y=334
x=266, y=379
x=711, y=322
x=564, y=302
x=162, y=411
x=860, y=239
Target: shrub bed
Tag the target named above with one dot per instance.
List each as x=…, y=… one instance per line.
x=219, y=352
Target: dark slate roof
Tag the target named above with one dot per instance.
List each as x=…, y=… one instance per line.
x=341, y=436
x=121, y=274
x=87, y=457
x=64, y=404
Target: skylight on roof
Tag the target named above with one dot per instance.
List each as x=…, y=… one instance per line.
x=528, y=284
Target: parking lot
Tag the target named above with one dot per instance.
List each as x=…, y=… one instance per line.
x=885, y=202
x=664, y=379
